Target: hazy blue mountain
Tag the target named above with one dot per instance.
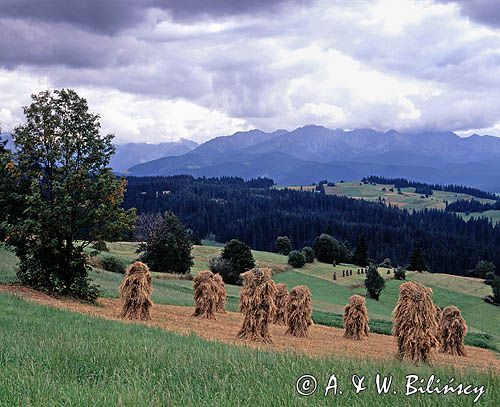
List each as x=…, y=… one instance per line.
x=130, y=154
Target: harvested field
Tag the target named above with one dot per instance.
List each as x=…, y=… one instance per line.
x=323, y=340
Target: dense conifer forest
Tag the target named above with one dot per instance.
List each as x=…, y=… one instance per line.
x=255, y=213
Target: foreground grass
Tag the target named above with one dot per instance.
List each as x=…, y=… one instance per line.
x=53, y=357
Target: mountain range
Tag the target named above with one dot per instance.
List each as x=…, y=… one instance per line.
x=130, y=154
x=311, y=153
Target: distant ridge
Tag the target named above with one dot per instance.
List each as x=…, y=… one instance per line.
x=310, y=153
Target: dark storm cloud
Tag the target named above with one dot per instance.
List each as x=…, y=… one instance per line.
x=43, y=44
x=190, y=9
x=483, y=11
x=112, y=16
x=103, y=16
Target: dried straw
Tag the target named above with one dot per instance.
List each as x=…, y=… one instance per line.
x=452, y=330
x=257, y=305
x=299, y=312
x=280, y=301
x=206, y=294
x=356, y=318
x=135, y=292
x=220, y=306
x=415, y=323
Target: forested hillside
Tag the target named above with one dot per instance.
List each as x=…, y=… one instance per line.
x=253, y=212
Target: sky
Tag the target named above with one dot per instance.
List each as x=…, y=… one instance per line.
x=164, y=70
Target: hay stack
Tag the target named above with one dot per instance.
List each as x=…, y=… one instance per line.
x=280, y=301
x=206, y=294
x=299, y=312
x=415, y=323
x=257, y=304
x=135, y=292
x=356, y=318
x=452, y=330
x=220, y=305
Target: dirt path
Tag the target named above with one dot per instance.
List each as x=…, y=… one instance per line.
x=323, y=341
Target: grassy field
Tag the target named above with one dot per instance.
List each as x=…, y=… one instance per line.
x=408, y=199
x=54, y=357
x=494, y=215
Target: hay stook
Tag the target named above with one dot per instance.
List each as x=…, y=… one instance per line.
x=220, y=305
x=257, y=303
x=135, y=292
x=356, y=319
x=280, y=301
x=415, y=323
x=452, y=331
x=299, y=312
x=206, y=294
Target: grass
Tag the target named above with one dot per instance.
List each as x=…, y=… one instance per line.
x=493, y=215
x=408, y=199
x=55, y=357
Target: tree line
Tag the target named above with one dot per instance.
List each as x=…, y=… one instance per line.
x=229, y=208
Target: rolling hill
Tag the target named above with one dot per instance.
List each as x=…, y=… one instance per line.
x=310, y=153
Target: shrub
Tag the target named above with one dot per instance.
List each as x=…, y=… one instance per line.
x=489, y=278
x=100, y=246
x=283, y=245
x=113, y=264
x=296, y=259
x=495, y=285
x=400, y=273
x=308, y=253
x=374, y=282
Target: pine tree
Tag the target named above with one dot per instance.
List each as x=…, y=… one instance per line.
x=374, y=282
x=417, y=262
x=360, y=257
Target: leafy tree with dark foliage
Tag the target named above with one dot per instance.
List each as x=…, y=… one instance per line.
x=168, y=247
x=360, y=257
x=296, y=259
x=240, y=258
x=417, y=262
x=374, y=282
x=308, y=253
x=64, y=196
x=283, y=245
x=226, y=208
x=324, y=248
